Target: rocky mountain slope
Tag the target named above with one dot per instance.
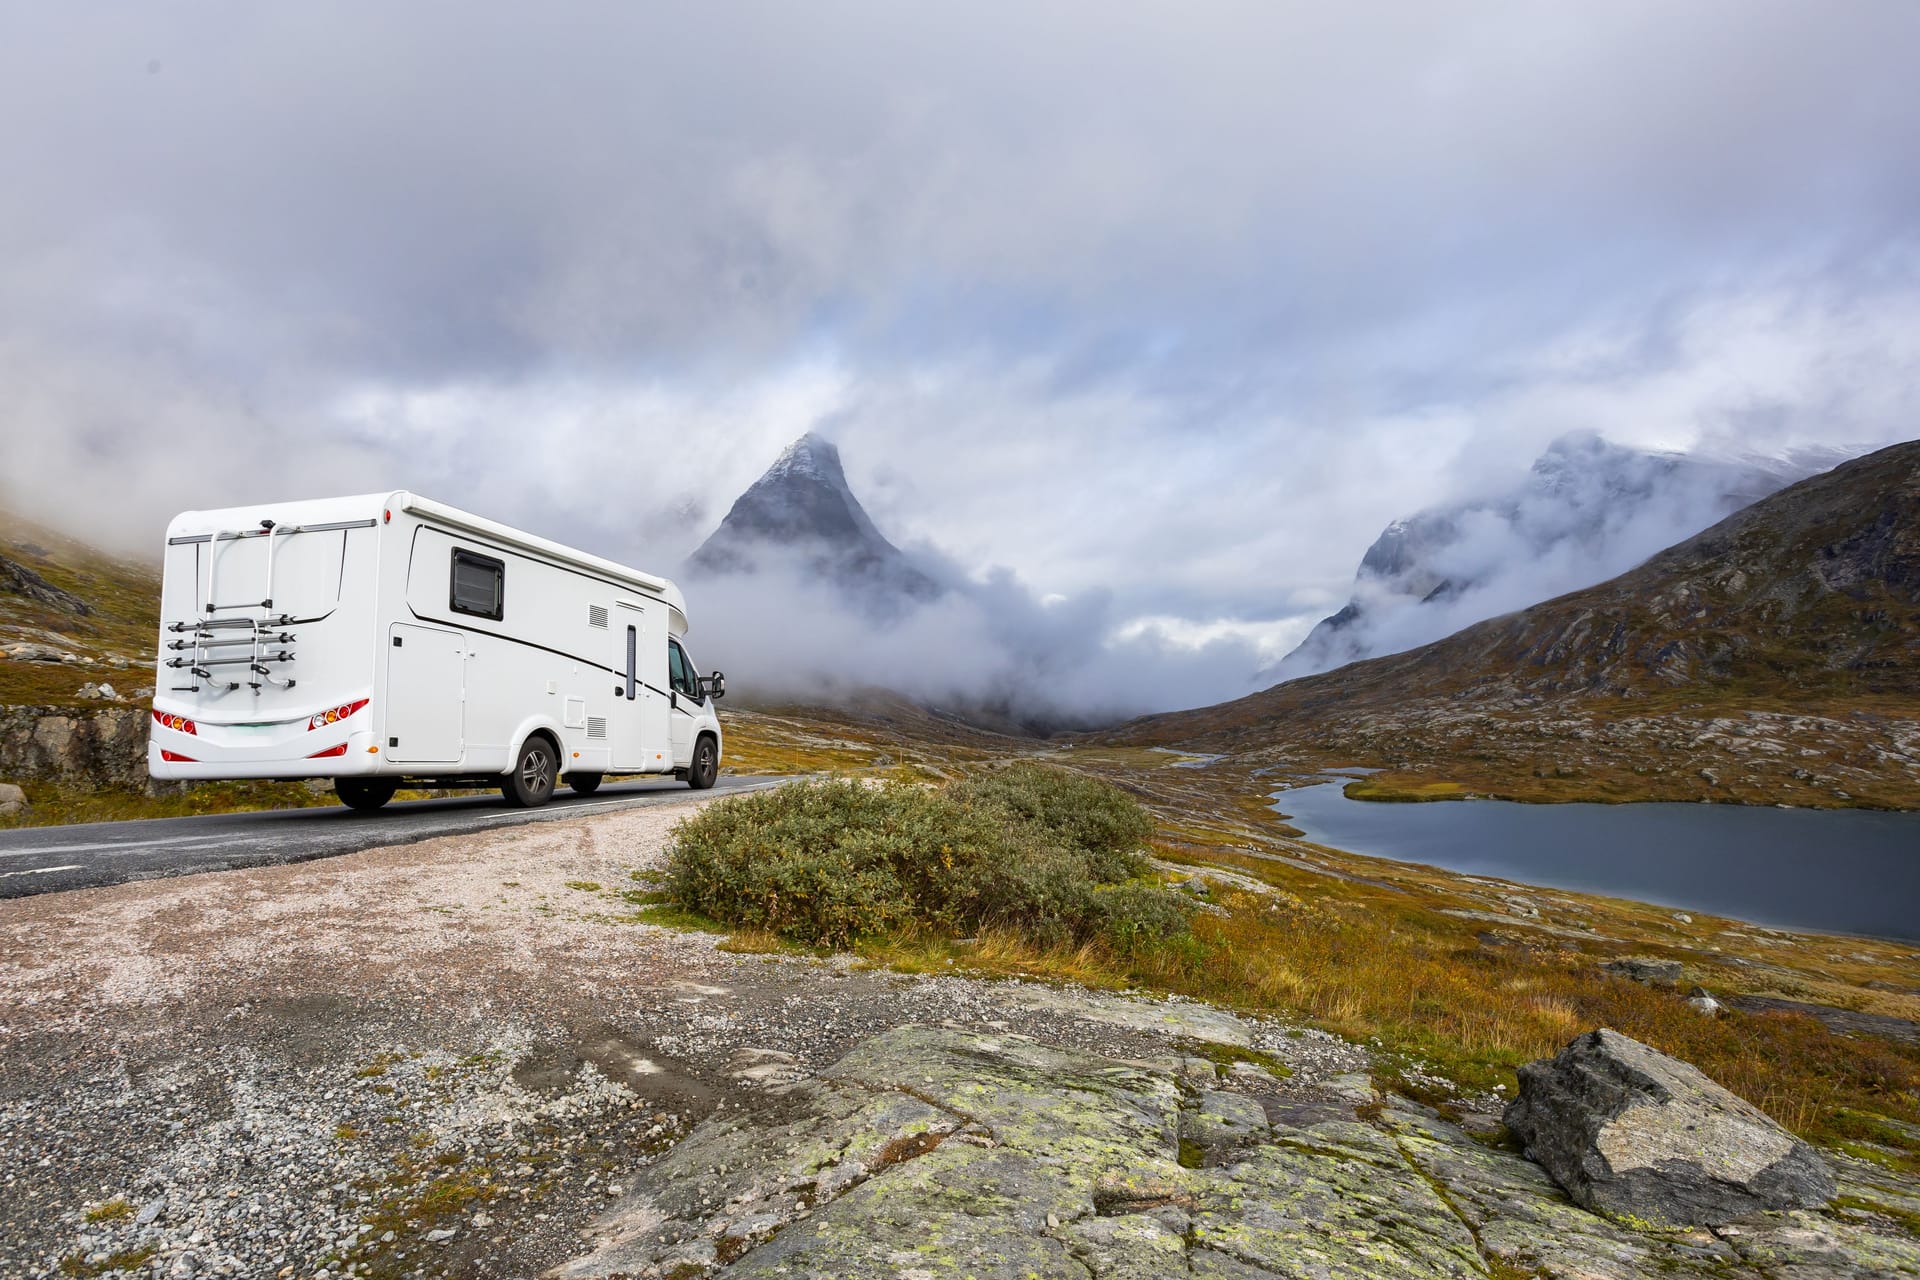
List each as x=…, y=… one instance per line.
x=802, y=512
x=1587, y=510
x=1775, y=656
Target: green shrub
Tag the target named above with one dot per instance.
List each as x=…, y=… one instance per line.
x=1048, y=854
x=1099, y=819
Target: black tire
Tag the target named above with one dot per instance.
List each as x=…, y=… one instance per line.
x=706, y=763
x=530, y=785
x=365, y=794
x=584, y=784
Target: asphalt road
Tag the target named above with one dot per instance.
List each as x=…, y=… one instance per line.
x=49, y=859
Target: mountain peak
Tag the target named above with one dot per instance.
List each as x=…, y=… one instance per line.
x=812, y=456
x=803, y=506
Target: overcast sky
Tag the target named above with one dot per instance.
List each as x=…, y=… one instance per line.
x=1183, y=302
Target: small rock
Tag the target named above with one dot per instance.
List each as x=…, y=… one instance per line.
x=12, y=800
x=440, y=1235
x=149, y=1211
x=183, y=1267
x=34, y=653
x=1651, y=970
x=1650, y=1141
x=1683, y=917
x=1701, y=1001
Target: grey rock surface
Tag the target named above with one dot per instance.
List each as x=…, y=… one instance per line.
x=17, y=579
x=1648, y=969
x=930, y=1152
x=12, y=800
x=1650, y=1140
x=106, y=748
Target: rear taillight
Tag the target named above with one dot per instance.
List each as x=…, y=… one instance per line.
x=167, y=720
x=177, y=758
x=334, y=715
x=330, y=751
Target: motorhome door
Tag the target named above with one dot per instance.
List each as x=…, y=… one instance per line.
x=637, y=727
x=426, y=693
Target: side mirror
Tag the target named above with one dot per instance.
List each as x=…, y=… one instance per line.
x=716, y=685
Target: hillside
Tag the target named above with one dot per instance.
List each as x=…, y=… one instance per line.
x=1774, y=657
x=61, y=599
x=1586, y=510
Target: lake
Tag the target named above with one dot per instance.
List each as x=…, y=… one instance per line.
x=1830, y=870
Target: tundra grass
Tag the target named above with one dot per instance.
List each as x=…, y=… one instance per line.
x=1368, y=949
x=55, y=806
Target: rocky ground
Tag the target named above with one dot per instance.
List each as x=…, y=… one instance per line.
x=471, y=1057
x=442, y=1059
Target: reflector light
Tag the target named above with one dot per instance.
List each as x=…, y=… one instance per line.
x=330, y=751
x=168, y=720
x=176, y=757
x=334, y=715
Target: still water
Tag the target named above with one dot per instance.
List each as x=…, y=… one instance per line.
x=1844, y=870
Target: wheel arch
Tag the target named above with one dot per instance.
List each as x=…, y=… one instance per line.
x=545, y=728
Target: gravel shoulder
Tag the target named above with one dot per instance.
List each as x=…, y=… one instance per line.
x=444, y=1058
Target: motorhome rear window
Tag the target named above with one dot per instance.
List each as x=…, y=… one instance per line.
x=479, y=584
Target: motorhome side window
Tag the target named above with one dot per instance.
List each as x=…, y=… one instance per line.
x=479, y=584
x=679, y=670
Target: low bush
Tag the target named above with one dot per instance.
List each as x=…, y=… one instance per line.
x=1045, y=853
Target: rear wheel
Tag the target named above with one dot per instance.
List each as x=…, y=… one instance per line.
x=584, y=783
x=706, y=764
x=365, y=794
x=531, y=782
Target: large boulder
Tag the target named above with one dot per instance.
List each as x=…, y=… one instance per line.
x=1650, y=1141
x=85, y=750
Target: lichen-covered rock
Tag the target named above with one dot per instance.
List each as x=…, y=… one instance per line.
x=1648, y=1139
x=1221, y=1124
x=1651, y=970
x=941, y=1154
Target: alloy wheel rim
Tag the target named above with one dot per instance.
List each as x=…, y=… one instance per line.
x=534, y=774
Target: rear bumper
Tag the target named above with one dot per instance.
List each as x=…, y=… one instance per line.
x=208, y=762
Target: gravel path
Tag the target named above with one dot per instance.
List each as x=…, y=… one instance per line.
x=439, y=1059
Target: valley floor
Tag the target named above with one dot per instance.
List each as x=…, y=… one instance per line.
x=459, y=1058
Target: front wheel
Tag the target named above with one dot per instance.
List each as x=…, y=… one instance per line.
x=531, y=782
x=706, y=765
x=584, y=784
x=365, y=794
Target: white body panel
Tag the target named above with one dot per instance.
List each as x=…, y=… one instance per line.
x=363, y=606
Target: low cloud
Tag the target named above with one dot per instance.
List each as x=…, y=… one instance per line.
x=986, y=647
x=1166, y=310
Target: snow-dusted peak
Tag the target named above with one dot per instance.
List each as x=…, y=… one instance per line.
x=811, y=457
x=803, y=507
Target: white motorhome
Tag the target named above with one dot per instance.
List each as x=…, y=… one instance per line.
x=388, y=638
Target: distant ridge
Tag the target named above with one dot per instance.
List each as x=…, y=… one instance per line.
x=1803, y=609
x=1588, y=504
